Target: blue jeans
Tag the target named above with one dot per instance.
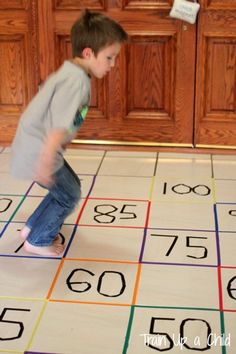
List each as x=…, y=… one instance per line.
x=63, y=196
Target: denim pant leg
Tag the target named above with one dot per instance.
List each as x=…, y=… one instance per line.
x=34, y=217
x=61, y=200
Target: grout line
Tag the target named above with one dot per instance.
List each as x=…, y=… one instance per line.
x=152, y=187
x=212, y=166
x=100, y=164
x=226, y=179
x=145, y=232
x=181, y=264
x=30, y=187
x=228, y=310
x=55, y=279
x=220, y=289
x=91, y=187
x=129, y=327
x=81, y=211
x=225, y=203
x=182, y=202
x=101, y=260
x=36, y=325
x=128, y=176
x=148, y=214
x=29, y=256
x=113, y=227
x=68, y=301
x=217, y=235
x=213, y=184
x=222, y=326
x=136, y=285
x=70, y=241
x=178, y=308
x=156, y=163
x=176, y=229
x=143, y=245
x=22, y=298
x=119, y=199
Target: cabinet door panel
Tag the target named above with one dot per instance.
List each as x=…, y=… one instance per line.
x=19, y=72
x=216, y=76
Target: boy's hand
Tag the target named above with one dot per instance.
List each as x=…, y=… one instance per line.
x=44, y=171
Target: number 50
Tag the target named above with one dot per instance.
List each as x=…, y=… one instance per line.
x=181, y=339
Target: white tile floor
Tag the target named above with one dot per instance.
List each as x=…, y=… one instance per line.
x=149, y=264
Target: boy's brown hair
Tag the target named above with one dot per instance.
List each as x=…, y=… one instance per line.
x=96, y=31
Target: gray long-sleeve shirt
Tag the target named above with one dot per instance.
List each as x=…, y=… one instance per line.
x=61, y=103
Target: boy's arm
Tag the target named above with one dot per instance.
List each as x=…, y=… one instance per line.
x=44, y=170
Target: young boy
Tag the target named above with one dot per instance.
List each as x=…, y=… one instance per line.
x=51, y=121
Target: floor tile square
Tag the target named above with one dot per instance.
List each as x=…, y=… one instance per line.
x=225, y=191
x=173, y=215
x=229, y=288
x=178, y=286
x=116, y=187
x=114, y=213
x=27, y=277
x=184, y=167
x=19, y=319
x=178, y=246
x=83, y=164
x=12, y=186
x=179, y=155
x=161, y=330
x=227, y=248
x=230, y=338
x=8, y=206
x=96, y=281
x=106, y=243
x=194, y=190
x=132, y=154
x=90, y=329
x=127, y=166
x=226, y=217
x=224, y=167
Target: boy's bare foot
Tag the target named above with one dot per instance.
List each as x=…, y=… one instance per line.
x=24, y=233
x=54, y=250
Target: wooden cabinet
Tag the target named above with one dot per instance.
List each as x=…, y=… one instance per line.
x=174, y=83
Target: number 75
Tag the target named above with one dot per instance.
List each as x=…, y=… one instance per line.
x=189, y=244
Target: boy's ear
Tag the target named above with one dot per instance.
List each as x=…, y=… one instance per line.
x=87, y=52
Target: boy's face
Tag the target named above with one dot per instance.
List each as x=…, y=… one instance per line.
x=101, y=64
